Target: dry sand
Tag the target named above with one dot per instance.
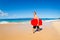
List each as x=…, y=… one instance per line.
x=23, y=31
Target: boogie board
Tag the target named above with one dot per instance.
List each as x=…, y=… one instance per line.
x=34, y=22
x=37, y=30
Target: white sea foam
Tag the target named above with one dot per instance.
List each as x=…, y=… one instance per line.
x=50, y=20
x=4, y=22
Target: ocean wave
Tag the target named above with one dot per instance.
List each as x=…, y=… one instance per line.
x=4, y=22
x=50, y=20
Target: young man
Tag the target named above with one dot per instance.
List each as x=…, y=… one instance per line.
x=37, y=26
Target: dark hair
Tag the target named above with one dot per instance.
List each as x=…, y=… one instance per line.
x=34, y=12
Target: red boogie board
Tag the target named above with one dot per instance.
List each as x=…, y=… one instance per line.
x=34, y=22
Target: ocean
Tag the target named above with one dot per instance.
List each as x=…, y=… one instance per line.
x=23, y=19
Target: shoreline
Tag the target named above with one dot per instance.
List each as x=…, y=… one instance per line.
x=6, y=22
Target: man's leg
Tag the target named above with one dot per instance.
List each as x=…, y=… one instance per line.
x=38, y=28
x=34, y=27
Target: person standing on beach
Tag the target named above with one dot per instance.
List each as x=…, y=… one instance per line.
x=37, y=26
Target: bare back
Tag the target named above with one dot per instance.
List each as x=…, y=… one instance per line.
x=35, y=17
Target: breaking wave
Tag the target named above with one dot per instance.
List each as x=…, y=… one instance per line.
x=4, y=22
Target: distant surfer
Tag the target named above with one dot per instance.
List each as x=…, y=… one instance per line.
x=36, y=22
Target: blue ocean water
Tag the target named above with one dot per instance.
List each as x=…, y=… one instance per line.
x=25, y=19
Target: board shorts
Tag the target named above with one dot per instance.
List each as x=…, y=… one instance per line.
x=34, y=27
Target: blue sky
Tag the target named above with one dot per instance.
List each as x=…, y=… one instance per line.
x=25, y=8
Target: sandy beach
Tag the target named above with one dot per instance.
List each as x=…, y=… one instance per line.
x=23, y=31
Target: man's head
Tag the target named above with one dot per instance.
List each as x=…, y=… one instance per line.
x=34, y=13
